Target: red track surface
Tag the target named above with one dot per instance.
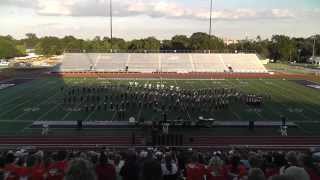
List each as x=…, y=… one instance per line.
x=124, y=141
x=2, y=78
x=186, y=75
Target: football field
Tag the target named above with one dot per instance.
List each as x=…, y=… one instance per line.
x=24, y=101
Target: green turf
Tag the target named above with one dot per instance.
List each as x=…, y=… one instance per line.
x=291, y=68
x=298, y=103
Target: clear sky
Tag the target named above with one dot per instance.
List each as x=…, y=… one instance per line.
x=160, y=18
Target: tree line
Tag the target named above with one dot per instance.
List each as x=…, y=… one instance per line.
x=278, y=47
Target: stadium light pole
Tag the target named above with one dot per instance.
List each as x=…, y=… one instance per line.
x=314, y=47
x=111, y=33
x=210, y=26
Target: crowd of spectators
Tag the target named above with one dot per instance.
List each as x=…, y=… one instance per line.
x=158, y=164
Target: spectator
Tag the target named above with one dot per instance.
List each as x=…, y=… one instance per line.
x=118, y=162
x=281, y=177
x=255, y=160
x=151, y=170
x=23, y=171
x=215, y=170
x=130, y=170
x=38, y=171
x=270, y=166
x=2, y=164
x=297, y=173
x=235, y=169
x=105, y=170
x=307, y=163
x=195, y=170
x=57, y=169
x=80, y=169
x=169, y=168
x=153, y=165
x=256, y=174
x=11, y=169
x=291, y=160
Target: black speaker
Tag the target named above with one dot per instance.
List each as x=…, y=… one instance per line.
x=168, y=139
x=163, y=140
x=79, y=124
x=133, y=138
x=191, y=140
x=181, y=139
x=165, y=117
x=283, y=119
x=154, y=139
x=251, y=125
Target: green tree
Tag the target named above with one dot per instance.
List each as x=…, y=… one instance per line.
x=8, y=49
x=200, y=41
x=31, y=40
x=151, y=43
x=49, y=46
x=180, y=42
x=282, y=48
x=119, y=44
x=166, y=45
x=136, y=45
x=21, y=49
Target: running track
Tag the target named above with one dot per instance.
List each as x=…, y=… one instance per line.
x=193, y=75
x=126, y=141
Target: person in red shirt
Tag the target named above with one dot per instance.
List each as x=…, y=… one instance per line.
x=105, y=170
x=235, y=170
x=38, y=170
x=11, y=169
x=215, y=170
x=307, y=163
x=2, y=163
x=57, y=170
x=11, y=172
x=195, y=170
x=271, y=171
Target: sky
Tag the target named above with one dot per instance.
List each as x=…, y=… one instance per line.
x=235, y=19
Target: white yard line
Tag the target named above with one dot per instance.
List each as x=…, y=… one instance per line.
x=65, y=116
x=286, y=97
x=6, y=102
x=46, y=113
x=42, y=102
x=280, y=103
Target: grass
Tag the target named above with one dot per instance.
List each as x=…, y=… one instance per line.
x=298, y=103
x=291, y=68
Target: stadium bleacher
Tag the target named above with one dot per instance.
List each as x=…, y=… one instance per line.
x=161, y=62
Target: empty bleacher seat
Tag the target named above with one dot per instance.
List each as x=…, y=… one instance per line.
x=157, y=62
